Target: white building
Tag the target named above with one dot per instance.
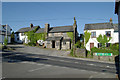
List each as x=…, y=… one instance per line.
x=20, y=36
x=5, y=31
x=109, y=29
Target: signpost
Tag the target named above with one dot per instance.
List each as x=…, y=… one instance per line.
x=103, y=54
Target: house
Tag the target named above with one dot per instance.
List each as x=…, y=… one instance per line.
x=57, y=37
x=109, y=29
x=20, y=36
x=5, y=29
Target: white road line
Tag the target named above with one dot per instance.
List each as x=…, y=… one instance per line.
x=90, y=64
x=76, y=62
x=107, y=66
x=36, y=69
x=61, y=60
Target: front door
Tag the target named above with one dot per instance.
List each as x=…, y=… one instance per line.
x=91, y=45
x=53, y=44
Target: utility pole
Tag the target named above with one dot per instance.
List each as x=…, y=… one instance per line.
x=6, y=31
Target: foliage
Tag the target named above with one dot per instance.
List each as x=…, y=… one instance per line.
x=33, y=37
x=79, y=44
x=87, y=36
x=71, y=53
x=12, y=37
x=70, y=34
x=5, y=41
x=82, y=37
x=104, y=50
x=31, y=44
x=40, y=36
x=103, y=39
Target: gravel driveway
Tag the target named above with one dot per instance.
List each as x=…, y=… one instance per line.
x=39, y=50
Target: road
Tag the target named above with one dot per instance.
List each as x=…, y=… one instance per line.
x=19, y=64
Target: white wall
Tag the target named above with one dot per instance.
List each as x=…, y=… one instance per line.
x=22, y=39
x=102, y=32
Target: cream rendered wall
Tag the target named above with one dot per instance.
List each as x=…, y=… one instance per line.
x=102, y=32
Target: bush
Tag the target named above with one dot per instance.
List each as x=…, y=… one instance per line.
x=5, y=41
x=31, y=44
x=71, y=53
x=105, y=50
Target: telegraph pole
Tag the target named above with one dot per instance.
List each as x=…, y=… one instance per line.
x=6, y=31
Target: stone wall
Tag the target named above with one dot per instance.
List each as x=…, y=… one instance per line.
x=66, y=45
x=104, y=58
x=80, y=52
x=64, y=35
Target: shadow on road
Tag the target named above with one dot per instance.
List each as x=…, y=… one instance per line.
x=18, y=57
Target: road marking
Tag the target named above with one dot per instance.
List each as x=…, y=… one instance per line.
x=61, y=60
x=76, y=62
x=45, y=66
x=90, y=64
x=107, y=66
x=36, y=69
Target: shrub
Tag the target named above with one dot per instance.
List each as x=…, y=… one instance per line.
x=71, y=53
x=5, y=41
x=104, y=50
x=31, y=44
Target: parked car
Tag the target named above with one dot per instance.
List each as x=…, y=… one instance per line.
x=40, y=42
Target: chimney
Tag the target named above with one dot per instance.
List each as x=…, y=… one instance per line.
x=31, y=25
x=46, y=29
x=111, y=21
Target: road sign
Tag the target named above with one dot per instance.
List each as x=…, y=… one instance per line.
x=103, y=54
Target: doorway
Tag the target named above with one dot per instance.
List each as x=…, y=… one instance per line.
x=53, y=44
x=91, y=45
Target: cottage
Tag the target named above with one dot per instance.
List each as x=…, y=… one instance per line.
x=57, y=37
x=20, y=36
x=5, y=31
x=109, y=29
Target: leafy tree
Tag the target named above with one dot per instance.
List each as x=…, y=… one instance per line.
x=103, y=39
x=12, y=37
x=82, y=37
x=5, y=41
x=87, y=36
x=70, y=34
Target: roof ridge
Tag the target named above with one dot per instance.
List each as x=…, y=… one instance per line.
x=97, y=23
x=62, y=26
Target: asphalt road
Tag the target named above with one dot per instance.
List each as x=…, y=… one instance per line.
x=27, y=65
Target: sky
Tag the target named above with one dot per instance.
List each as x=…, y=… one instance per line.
x=20, y=14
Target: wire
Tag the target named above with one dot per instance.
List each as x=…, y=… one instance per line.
x=78, y=18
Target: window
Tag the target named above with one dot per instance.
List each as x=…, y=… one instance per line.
x=57, y=43
x=99, y=45
x=107, y=44
x=93, y=34
x=108, y=33
x=64, y=43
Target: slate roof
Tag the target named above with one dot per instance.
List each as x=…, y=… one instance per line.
x=61, y=29
x=98, y=26
x=53, y=38
x=26, y=29
x=115, y=27
x=40, y=30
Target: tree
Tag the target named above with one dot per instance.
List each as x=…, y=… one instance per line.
x=87, y=36
x=5, y=41
x=12, y=37
x=103, y=39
